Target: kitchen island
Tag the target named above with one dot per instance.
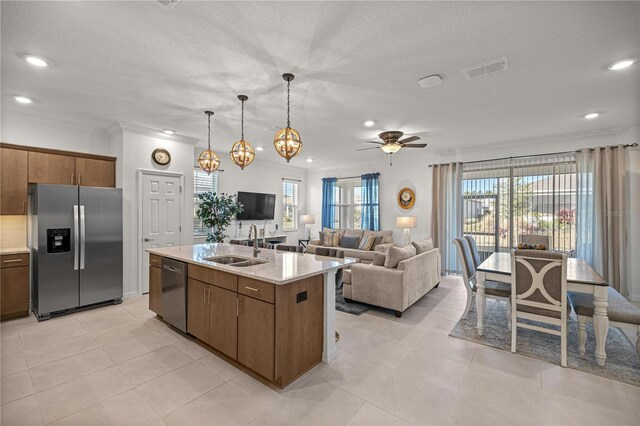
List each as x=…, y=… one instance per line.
x=274, y=313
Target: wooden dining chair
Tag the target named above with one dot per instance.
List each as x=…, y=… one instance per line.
x=474, y=250
x=539, y=293
x=493, y=289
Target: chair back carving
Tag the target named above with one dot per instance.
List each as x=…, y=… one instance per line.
x=474, y=250
x=464, y=256
x=539, y=279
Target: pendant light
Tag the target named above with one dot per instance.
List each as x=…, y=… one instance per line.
x=242, y=152
x=287, y=141
x=209, y=160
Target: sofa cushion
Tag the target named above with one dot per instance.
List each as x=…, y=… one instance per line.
x=353, y=233
x=387, y=236
x=619, y=309
x=396, y=255
x=349, y=242
x=383, y=247
x=379, y=258
x=423, y=245
x=366, y=256
x=346, y=276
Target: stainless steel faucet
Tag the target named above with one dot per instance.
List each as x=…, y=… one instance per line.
x=254, y=229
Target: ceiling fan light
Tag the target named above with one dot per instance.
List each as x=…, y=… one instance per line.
x=242, y=153
x=287, y=143
x=391, y=148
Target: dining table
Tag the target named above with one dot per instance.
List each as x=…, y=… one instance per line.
x=581, y=278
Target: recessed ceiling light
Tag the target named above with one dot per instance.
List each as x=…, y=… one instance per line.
x=620, y=65
x=591, y=115
x=168, y=131
x=309, y=160
x=22, y=99
x=259, y=148
x=35, y=61
x=369, y=123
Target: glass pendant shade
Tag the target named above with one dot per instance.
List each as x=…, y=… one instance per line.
x=242, y=153
x=209, y=161
x=287, y=143
x=391, y=148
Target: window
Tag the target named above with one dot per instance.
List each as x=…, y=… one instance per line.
x=348, y=203
x=289, y=205
x=505, y=199
x=202, y=182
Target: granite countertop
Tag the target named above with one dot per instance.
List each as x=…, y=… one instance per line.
x=280, y=268
x=14, y=250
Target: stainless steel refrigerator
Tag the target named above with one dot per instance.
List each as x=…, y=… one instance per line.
x=76, y=237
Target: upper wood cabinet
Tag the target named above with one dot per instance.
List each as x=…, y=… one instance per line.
x=51, y=168
x=13, y=181
x=91, y=172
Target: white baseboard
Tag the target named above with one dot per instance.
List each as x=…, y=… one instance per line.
x=131, y=294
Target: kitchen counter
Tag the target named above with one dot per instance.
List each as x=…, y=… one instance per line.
x=280, y=267
x=14, y=250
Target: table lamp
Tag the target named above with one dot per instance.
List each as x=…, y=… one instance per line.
x=406, y=222
x=306, y=220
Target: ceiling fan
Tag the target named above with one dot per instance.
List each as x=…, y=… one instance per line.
x=391, y=142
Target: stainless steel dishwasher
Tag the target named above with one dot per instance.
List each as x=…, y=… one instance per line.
x=174, y=293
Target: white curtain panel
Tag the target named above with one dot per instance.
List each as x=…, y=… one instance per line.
x=602, y=215
x=446, y=206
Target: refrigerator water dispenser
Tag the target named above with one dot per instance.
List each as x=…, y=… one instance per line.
x=59, y=240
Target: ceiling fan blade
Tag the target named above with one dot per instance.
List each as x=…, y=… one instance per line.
x=409, y=139
x=377, y=143
x=364, y=149
x=417, y=145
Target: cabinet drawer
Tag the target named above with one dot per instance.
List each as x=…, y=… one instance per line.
x=257, y=289
x=13, y=260
x=214, y=277
x=155, y=260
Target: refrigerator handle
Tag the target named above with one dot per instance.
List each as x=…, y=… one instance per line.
x=76, y=238
x=82, y=237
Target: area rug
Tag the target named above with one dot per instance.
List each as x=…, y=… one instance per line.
x=623, y=361
x=353, y=308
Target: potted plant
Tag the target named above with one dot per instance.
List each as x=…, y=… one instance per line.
x=216, y=212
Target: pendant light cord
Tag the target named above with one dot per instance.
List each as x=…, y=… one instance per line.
x=288, y=101
x=209, y=137
x=242, y=121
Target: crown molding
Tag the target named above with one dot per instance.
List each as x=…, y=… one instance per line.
x=124, y=127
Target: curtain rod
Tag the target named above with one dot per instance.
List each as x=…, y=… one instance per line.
x=293, y=180
x=631, y=145
x=353, y=177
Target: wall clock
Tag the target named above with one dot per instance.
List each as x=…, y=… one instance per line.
x=406, y=198
x=161, y=156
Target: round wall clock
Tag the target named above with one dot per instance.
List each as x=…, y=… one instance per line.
x=406, y=198
x=161, y=156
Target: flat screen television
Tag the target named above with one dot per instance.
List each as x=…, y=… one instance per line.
x=256, y=206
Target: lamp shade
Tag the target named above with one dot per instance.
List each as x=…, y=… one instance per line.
x=406, y=222
x=307, y=219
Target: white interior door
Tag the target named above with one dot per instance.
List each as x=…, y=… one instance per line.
x=161, y=207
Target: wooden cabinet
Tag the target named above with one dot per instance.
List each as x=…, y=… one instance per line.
x=198, y=309
x=155, y=290
x=13, y=181
x=223, y=324
x=51, y=168
x=91, y=172
x=14, y=279
x=256, y=335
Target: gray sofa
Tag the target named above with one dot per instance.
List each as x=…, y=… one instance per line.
x=396, y=288
x=365, y=256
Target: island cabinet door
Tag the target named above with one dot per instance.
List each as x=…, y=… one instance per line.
x=198, y=310
x=256, y=335
x=155, y=290
x=223, y=321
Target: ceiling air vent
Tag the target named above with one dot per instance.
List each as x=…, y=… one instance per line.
x=483, y=69
x=168, y=3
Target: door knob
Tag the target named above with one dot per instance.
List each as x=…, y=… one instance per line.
x=148, y=239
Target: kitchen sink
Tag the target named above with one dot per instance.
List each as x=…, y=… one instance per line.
x=236, y=261
x=250, y=262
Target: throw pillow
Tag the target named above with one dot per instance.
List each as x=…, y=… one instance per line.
x=363, y=243
x=379, y=258
x=369, y=243
x=321, y=238
x=396, y=255
x=377, y=240
x=423, y=245
x=328, y=239
x=350, y=242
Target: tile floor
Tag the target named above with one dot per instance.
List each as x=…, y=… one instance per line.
x=120, y=365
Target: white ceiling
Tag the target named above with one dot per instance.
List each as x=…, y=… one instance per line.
x=142, y=63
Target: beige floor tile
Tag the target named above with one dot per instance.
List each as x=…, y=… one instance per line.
x=154, y=364
x=457, y=350
x=403, y=333
x=369, y=415
x=11, y=342
x=16, y=324
x=66, y=369
x=513, y=366
x=633, y=392
x=318, y=402
x=128, y=408
x=224, y=405
x=381, y=350
x=269, y=418
x=413, y=400
x=120, y=332
x=220, y=367
x=124, y=350
x=443, y=326
x=59, y=350
x=566, y=409
x=34, y=337
x=472, y=413
x=71, y=397
x=104, y=319
x=15, y=386
x=433, y=369
x=12, y=362
x=25, y=411
x=173, y=390
x=353, y=374
x=186, y=343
